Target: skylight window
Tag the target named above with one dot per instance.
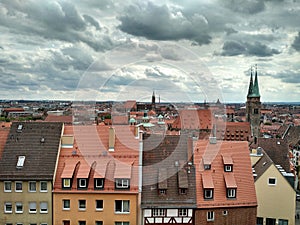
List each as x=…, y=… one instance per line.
x=20, y=162
x=20, y=127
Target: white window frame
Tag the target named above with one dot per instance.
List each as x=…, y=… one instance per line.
x=210, y=192
x=42, y=208
x=43, y=224
x=81, y=222
x=183, y=191
x=65, y=182
x=270, y=183
x=122, y=211
x=16, y=184
x=122, y=223
x=122, y=183
x=228, y=168
x=225, y=212
x=29, y=186
x=98, y=222
x=99, y=209
x=64, y=201
x=41, y=185
x=231, y=193
x=183, y=212
x=83, y=184
x=19, y=204
x=97, y=181
x=79, y=205
x=7, y=183
x=159, y=212
x=29, y=207
x=162, y=191
x=210, y=216
x=5, y=207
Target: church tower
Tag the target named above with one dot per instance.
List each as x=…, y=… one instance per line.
x=153, y=101
x=253, y=106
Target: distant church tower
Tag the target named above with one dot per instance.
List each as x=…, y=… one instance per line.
x=153, y=101
x=253, y=106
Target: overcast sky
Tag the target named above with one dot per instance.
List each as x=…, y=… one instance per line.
x=184, y=50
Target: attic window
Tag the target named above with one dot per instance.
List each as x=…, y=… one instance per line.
x=20, y=162
x=227, y=168
x=42, y=140
x=20, y=127
x=207, y=166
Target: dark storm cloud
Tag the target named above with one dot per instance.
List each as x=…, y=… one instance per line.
x=296, y=43
x=234, y=48
x=52, y=20
x=161, y=23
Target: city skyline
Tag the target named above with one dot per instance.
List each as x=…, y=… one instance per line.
x=184, y=51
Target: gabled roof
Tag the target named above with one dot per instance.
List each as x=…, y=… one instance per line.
x=61, y=119
x=277, y=149
x=165, y=166
x=39, y=143
x=217, y=179
x=262, y=165
x=233, y=131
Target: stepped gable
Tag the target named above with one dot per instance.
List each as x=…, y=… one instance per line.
x=165, y=166
x=39, y=143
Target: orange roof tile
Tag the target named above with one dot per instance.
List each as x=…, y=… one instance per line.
x=69, y=168
x=207, y=181
x=84, y=170
x=241, y=177
x=100, y=169
x=227, y=159
x=122, y=170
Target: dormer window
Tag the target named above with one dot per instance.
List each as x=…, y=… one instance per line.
x=182, y=191
x=82, y=183
x=208, y=193
x=99, y=183
x=231, y=193
x=162, y=191
x=228, y=168
x=207, y=166
x=122, y=183
x=66, y=183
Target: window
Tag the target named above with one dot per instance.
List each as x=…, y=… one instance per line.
x=7, y=186
x=182, y=212
x=19, y=223
x=81, y=222
x=122, y=206
x=283, y=222
x=158, y=212
x=66, y=222
x=44, y=224
x=228, y=168
x=66, y=204
x=32, y=224
x=259, y=221
x=32, y=186
x=162, y=191
x=207, y=166
x=8, y=224
x=182, y=191
x=81, y=204
x=43, y=186
x=66, y=183
x=121, y=223
x=8, y=207
x=82, y=183
x=98, y=183
x=19, y=207
x=20, y=163
x=210, y=216
x=231, y=193
x=43, y=207
x=99, y=205
x=32, y=207
x=270, y=221
x=208, y=193
x=122, y=183
x=255, y=111
x=272, y=181
x=99, y=223
x=225, y=213
x=18, y=187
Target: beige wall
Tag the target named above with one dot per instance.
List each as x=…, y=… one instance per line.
x=275, y=201
x=25, y=197
x=90, y=215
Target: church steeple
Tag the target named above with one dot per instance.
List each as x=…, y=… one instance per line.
x=153, y=101
x=250, y=90
x=255, y=85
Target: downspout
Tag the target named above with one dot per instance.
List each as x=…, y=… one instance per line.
x=140, y=211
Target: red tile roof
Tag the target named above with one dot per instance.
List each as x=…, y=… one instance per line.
x=62, y=119
x=240, y=178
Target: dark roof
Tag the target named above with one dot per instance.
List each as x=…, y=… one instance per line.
x=39, y=143
x=165, y=166
x=277, y=149
x=262, y=165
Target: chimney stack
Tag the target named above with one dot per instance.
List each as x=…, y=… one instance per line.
x=111, y=140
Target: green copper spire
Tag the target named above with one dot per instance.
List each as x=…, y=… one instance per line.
x=250, y=90
x=255, y=92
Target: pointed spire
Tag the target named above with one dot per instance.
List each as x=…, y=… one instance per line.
x=250, y=90
x=255, y=85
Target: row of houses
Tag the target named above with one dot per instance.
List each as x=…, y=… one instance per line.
x=51, y=173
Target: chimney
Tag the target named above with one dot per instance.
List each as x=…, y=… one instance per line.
x=190, y=148
x=213, y=139
x=111, y=139
x=136, y=132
